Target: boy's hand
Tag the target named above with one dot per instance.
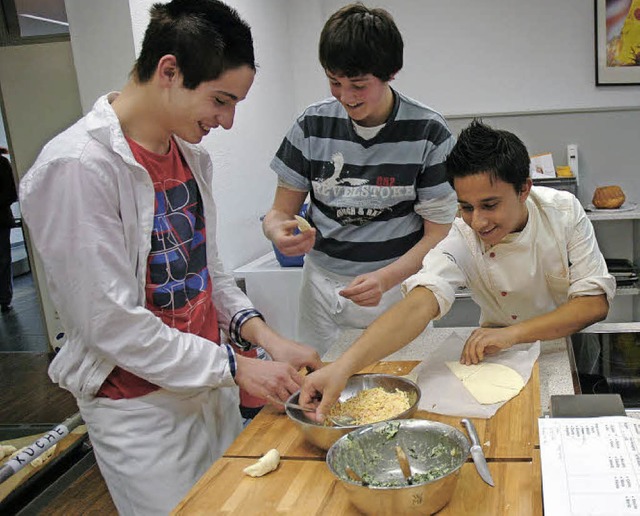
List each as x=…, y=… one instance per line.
x=325, y=384
x=296, y=354
x=267, y=379
x=365, y=290
x=485, y=341
x=290, y=244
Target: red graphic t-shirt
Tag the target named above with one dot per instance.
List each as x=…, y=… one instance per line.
x=178, y=286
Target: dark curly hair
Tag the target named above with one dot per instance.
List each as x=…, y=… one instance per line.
x=482, y=149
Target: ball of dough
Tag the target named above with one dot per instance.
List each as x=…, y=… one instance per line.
x=267, y=463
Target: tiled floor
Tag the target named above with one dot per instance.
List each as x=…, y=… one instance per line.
x=22, y=329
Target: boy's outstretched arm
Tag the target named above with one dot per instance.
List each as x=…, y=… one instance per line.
x=394, y=329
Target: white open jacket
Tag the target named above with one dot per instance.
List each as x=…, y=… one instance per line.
x=89, y=209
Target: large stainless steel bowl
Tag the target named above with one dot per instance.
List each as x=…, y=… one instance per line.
x=436, y=453
x=324, y=436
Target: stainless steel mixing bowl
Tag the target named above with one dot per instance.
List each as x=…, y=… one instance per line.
x=436, y=453
x=324, y=436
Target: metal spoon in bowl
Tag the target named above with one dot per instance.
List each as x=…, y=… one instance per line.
x=342, y=420
x=288, y=404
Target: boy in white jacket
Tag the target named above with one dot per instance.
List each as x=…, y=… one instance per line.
x=528, y=254
x=120, y=208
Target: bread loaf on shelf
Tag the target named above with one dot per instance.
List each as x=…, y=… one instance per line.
x=608, y=197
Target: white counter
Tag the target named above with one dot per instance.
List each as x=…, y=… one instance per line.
x=555, y=372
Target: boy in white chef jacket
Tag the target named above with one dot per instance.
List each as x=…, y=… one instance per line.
x=120, y=208
x=528, y=254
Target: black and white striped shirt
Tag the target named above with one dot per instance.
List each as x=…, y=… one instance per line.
x=368, y=197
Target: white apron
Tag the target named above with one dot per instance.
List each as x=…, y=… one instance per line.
x=160, y=443
x=324, y=313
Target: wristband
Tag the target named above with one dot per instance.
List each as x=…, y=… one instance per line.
x=232, y=359
x=236, y=324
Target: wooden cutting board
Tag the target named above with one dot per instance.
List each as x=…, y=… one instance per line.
x=303, y=484
x=28, y=471
x=308, y=487
x=512, y=433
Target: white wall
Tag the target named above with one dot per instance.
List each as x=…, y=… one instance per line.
x=497, y=56
x=461, y=57
x=40, y=98
x=305, y=24
x=243, y=183
x=102, y=45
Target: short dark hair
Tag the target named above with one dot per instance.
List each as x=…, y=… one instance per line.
x=482, y=149
x=357, y=40
x=207, y=38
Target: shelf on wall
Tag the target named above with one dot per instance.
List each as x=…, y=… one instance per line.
x=613, y=214
x=628, y=290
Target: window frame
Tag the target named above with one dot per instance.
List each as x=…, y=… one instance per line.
x=10, y=28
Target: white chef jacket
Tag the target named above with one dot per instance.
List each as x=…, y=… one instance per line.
x=530, y=273
x=89, y=207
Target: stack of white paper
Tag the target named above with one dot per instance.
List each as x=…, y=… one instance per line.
x=590, y=466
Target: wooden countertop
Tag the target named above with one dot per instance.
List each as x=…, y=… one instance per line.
x=306, y=487
x=303, y=484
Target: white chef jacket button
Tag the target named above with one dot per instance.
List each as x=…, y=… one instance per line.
x=492, y=255
x=514, y=317
x=503, y=294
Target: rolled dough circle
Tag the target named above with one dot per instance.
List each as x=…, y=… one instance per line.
x=487, y=382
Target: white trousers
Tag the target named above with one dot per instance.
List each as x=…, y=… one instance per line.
x=324, y=313
x=151, y=450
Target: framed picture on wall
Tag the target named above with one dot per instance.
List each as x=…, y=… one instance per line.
x=617, y=42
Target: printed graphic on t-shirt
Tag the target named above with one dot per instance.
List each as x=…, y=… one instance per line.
x=360, y=201
x=178, y=288
x=177, y=262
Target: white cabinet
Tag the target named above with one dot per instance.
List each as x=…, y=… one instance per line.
x=618, y=234
x=274, y=291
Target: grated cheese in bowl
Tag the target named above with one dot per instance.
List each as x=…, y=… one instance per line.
x=372, y=405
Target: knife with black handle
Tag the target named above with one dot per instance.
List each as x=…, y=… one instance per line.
x=477, y=453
